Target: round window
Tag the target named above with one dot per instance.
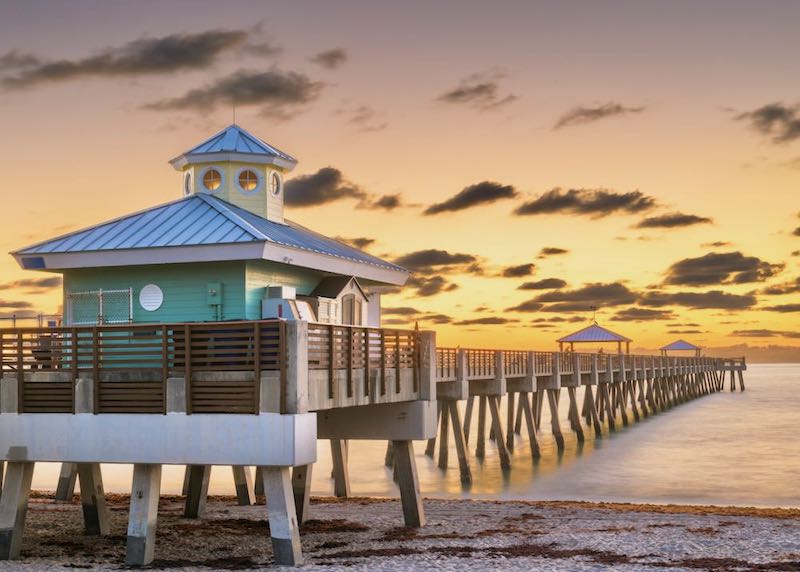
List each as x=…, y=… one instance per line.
x=212, y=180
x=248, y=180
x=151, y=297
x=187, y=184
x=275, y=183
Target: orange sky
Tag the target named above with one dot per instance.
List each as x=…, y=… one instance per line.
x=424, y=101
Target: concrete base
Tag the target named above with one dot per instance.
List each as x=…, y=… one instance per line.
x=143, y=515
x=283, y=525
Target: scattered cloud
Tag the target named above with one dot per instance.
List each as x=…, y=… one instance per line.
x=552, y=251
x=280, y=94
x=329, y=185
x=518, y=271
x=584, y=115
x=716, y=244
x=596, y=203
x=713, y=299
x=544, y=284
x=684, y=332
x=673, y=220
x=764, y=333
x=426, y=286
x=433, y=258
x=783, y=308
x=33, y=285
x=15, y=304
x=486, y=321
x=791, y=287
x=796, y=232
x=400, y=311
x=795, y=253
x=330, y=59
x=146, y=56
x=479, y=91
x=778, y=121
x=366, y=119
x=360, y=242
x=720, y=268
x=595, y=295
x=642, y=314
x=485, y=192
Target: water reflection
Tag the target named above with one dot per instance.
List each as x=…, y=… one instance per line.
x=722, y=449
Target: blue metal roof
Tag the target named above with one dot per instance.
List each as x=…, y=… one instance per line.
x=194, y=221
x=594, y=333
x=234, y=139
x=680, y=345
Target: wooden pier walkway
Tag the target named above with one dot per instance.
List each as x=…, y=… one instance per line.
x=617, y=389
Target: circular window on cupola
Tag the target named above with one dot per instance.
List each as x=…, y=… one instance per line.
x=248, y=181
x=212, y=179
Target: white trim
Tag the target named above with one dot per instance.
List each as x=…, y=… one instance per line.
x=181, y=161
x=255, y=250
x=259, y=185
x=201, y=184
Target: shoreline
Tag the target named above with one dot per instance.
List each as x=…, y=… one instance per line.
x=366, y=533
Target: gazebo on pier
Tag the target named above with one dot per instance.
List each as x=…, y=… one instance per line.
x=680, y=346
x=594, y=334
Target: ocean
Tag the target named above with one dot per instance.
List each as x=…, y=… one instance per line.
x=728, y=448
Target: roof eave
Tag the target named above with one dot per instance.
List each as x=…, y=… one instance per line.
x=182, y=161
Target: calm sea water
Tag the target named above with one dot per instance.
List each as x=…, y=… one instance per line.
x=725, y=449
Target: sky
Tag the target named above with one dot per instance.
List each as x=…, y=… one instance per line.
x=528, y=161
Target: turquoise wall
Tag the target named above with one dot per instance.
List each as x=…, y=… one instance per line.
x=261, y=273
x=185, y=287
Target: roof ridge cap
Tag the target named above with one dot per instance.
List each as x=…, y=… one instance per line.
x=232, y=216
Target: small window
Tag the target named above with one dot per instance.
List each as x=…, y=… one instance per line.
x=212, y=180
x=187, y=184
x=248, y=180
x=275, y=184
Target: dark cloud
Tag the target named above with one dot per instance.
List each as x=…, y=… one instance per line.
x=436, y=318
x=583, y=115
x=401, y=311
x=518, y=271
x=785, y=288
x=713, y=299
x=330, y=59
x=796, y=232
x=485, y=192
x=717, y=244
x=552, y=251
x=757, y=333
x=280, y=94
x=642, y=314
x=360, y=242
x=720, y=268
x=796, y=253
x=583, y=299
x=329, y=185
x=427, y=286
x=15, y=304
x=558, y=320
x=673, y=220
x=366, y=119
x=432, y=258
x=775, y=120
x=164, y=55
x=545, y=284
x=596, y=203
x=479, y=91
x=684, y=332
x=783, y=308
x=486, y=321
x=33, y=285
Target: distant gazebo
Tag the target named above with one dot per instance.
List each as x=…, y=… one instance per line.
x=680, y=346
x=594, y=334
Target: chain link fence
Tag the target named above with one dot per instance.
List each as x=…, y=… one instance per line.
x=99, y=307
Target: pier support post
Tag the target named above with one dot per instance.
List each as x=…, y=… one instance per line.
x=341, y=477
x=461, y=442
x=502, y=450
x=301, y=488
x=196, y=479
x=524, y=396
x=413, y=512
x=594, y=418
x=444, y=436
x=741, y=381
x=574, y=416
x=243, y=480
x=468, y=417
x=143, y=514
x=258, y=483
x=552, y=398
x=480, y=448
x=429, y=449
x=283, y=525
x=93, y=499
x=14, y=508
x=510, y=421
x=530, y=422
x=67, y=476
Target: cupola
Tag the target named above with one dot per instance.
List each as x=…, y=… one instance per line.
x=238, y=167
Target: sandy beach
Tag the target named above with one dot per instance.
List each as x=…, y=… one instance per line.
x=365, y=534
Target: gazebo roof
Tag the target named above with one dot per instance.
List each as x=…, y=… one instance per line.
x=680, y=345
x=594, y=333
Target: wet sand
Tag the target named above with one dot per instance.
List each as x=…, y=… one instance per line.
x=365, y=534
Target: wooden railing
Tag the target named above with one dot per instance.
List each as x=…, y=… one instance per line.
x=480, y=363
x=129, y=364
